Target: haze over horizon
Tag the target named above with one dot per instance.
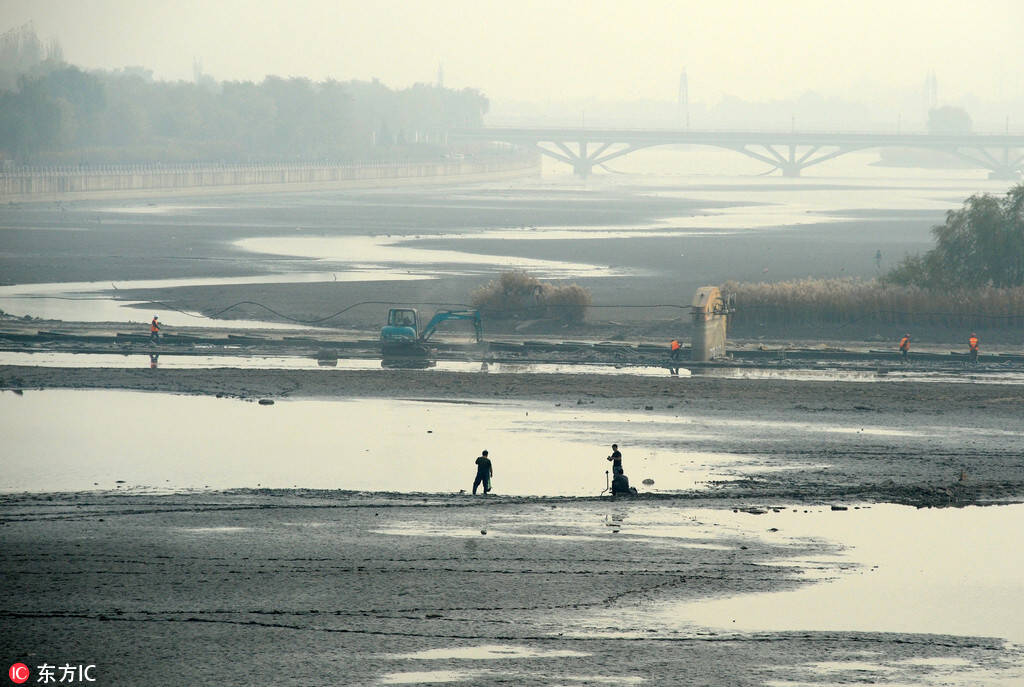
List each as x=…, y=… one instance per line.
x=874, y=52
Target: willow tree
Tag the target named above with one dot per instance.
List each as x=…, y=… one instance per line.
x=981, y=244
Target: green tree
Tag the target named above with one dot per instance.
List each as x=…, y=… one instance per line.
x=981, y=244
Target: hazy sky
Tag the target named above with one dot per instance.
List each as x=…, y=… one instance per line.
x=540, y=50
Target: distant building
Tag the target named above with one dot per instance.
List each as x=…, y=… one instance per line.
x=931, y=92
x=684, y=99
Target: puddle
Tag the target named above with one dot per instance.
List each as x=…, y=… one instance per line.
x=156, y=209
x=159, y=441
x=192, y=362
x=840, y=375
x=487, y=652
x=427, y=677
x=899, y=570
x=214, y=530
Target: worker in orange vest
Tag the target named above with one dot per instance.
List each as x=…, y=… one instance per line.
x=154, y=330
x=676, y=347
x=973, y=343
x=905, y=346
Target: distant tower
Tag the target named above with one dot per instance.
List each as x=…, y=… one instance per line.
x=684, y=99
x=440, y=75
x=931, y=91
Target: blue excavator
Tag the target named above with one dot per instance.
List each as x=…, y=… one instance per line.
x=401, y=335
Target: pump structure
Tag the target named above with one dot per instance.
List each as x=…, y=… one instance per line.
x=710, y=319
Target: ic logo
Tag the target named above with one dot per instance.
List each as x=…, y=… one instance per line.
x=18, y=673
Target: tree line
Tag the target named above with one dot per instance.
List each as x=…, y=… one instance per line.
x=56, y=113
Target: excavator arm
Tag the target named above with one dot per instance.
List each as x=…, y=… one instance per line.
x=438, y=318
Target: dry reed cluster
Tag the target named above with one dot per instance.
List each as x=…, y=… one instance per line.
x=517, y=294
x=845, y=301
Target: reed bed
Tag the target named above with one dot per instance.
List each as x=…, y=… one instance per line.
x=848, y=301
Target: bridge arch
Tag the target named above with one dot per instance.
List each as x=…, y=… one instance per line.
x=788, y=152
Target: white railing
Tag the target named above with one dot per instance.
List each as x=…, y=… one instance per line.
x=75, y=179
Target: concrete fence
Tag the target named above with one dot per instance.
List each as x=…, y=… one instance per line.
x=65, y=183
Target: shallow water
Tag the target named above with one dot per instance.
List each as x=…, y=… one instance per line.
x=380, y=253
x=95, y=301
x=75, y=440
x=251, y=362
x=880, y=568
x=903, y=569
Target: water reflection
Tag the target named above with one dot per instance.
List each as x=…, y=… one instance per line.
x=366, y=445
x=901, y=569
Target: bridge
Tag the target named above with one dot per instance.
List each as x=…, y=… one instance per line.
x=791, y=152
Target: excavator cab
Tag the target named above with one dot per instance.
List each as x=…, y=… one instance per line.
x=402, y=317
x=402, y=326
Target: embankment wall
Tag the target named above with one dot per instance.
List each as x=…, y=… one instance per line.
x=69, y=183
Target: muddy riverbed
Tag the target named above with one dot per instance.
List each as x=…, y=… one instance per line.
x=164, y=525
x=368, y=589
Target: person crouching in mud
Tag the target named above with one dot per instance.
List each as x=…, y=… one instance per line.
x=620, y=483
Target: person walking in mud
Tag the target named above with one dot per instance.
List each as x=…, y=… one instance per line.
x=905, y=347
x=616, y=459
x=676, y=348
x=972, y=343
x=154, y=330
x=484, y=472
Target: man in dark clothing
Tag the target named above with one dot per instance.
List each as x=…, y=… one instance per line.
x=616, y=459
x=484, y=472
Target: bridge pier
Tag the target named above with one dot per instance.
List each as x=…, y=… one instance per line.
x=791, y=160
x=1009, y=167
x=582, y=160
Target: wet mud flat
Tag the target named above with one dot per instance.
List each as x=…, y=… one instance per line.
x=367, y=589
